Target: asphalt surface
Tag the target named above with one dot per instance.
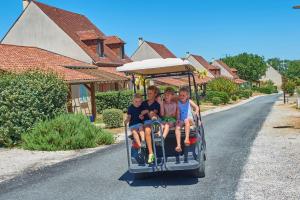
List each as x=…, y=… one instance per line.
x=104, y=175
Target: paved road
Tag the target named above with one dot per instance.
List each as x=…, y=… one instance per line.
x=103, y=175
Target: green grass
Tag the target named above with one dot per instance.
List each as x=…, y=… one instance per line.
x=65, y=132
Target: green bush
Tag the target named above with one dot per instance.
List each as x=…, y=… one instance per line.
x=114, y=99
x=216, y=101
x=234, y=98
x=267, y=87
x=289, y=87
x=112, y=118
x=65, y=132
x=222, y=84
x=26, y=99
x=222, y=95
x=244, y=93
x=298, y=91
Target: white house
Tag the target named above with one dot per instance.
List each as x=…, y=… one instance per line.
x=149, y=50
x=273, y=75
x=68, y=34
x=201, y=64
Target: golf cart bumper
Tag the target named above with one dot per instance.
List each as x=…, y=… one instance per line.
x=169, y=167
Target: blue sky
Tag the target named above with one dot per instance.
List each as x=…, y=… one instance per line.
x=211, y=28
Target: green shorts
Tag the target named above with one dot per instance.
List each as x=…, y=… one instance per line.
x=169, y=119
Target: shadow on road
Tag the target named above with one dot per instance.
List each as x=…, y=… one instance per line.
x=163, y=180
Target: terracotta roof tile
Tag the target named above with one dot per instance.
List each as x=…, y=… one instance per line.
x=113, y=40
x=88, y=35
x=171, y=81
x=204, y=63
x=72, y=23
x=161, y=49
x=227, y=68
x=103, y=76
x=239, y=81
x=113, y=70
x=19, y=59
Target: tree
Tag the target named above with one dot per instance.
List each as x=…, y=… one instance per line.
x=250, y=67
x=278, y=64
x=289, y=87
x=275, y=63
x=293, y=70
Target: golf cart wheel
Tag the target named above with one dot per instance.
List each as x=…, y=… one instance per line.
x=200, y=172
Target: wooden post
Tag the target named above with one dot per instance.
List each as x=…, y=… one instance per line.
x=69, y=100
x=93, y=100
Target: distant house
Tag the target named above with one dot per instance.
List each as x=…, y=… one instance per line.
x=225, y=69
x=68, y=34
x=273, y=75
x=17, y=59
x=151, y=50
x=228, y=72
x=201, y=64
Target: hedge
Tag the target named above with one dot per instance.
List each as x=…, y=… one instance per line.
x=234, y=98
x=26, y=99
x=112, y=118
x=222, y=95
x=216, y=100
x=289, y=87
x=244, y=93
x=65, y=132
x=114, y=99
x=222, y=84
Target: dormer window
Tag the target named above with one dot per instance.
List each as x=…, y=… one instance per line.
x=100, y=49
x=122, y=52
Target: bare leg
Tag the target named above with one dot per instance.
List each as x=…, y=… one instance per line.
x=187, y=132
x=148, y=139
x=178, y=138
x=166, y=130
x=142, y=135
x=136, y=137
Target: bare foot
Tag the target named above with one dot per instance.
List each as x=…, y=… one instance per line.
x=178, y=149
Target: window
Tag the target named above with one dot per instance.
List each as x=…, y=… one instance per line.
x=122, y=52
x=83, y=93
x=100, y=49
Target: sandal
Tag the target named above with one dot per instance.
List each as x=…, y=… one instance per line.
x=151, y=158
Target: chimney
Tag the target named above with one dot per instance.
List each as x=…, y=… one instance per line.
x=141, y=40
x=25, y=3
x=187, y=54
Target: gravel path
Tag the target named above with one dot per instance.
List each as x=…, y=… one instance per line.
x=272, y=170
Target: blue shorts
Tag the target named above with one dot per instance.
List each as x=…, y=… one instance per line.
x=138, y=126
x=150, y=122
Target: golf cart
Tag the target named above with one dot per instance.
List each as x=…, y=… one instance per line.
x=192, y=157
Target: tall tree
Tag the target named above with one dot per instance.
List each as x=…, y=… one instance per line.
x=275, y=63
x=293, y=70
x=250, y=67
x=278, y=64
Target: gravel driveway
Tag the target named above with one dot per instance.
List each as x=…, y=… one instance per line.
x=272, y=170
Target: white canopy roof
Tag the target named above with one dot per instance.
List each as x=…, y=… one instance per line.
x=157, y=66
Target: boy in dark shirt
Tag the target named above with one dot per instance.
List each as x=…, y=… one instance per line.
x=134, y=119
x=151, y=111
